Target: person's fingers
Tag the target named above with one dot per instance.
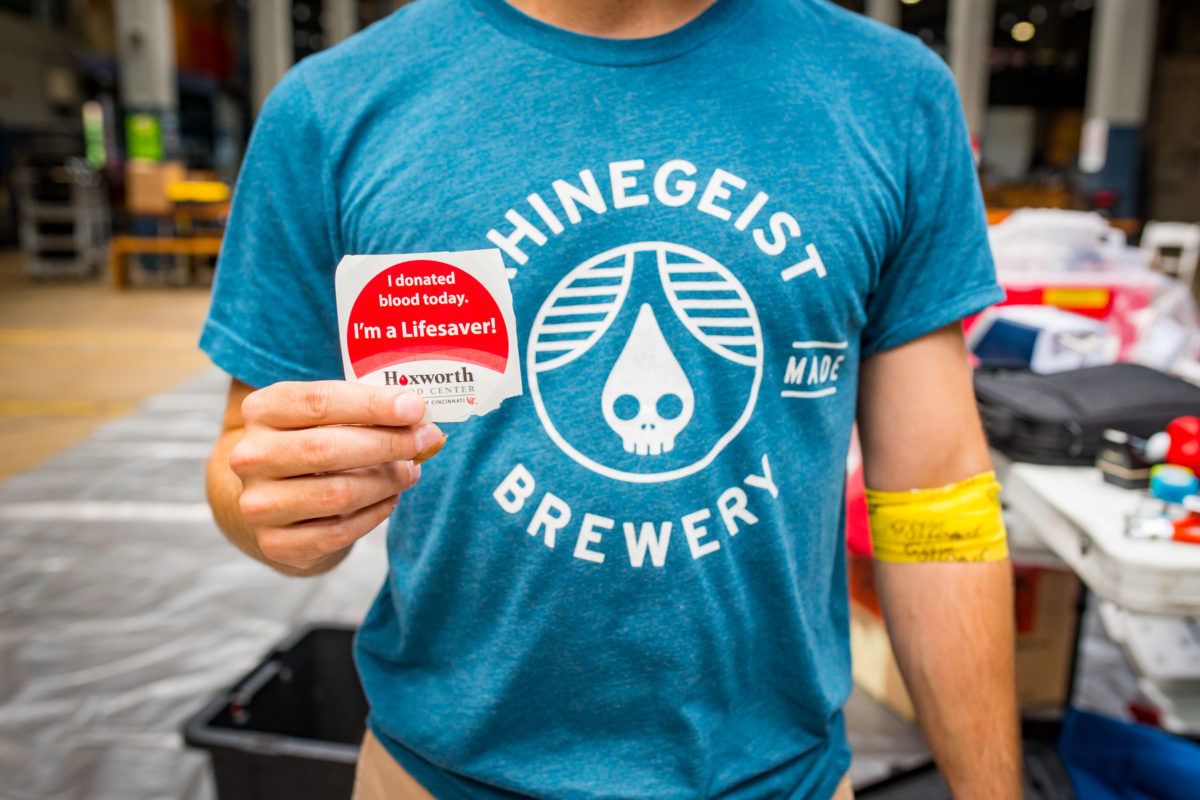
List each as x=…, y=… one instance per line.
x=307, y=544
x=282, y=502
x=334, y=448
x=308, y=404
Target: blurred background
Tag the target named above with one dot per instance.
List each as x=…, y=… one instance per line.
x=125, y=615
x=122, y=126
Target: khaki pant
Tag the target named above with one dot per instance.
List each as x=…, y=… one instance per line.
x=379, y=777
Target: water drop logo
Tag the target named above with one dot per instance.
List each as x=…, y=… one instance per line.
x=645, y=361
x=647, y=398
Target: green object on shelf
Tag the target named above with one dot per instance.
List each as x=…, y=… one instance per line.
x=93, y=134
x=143, y=137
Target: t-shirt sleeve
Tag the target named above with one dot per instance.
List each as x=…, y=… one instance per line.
x=939, y=268
x=273, y=315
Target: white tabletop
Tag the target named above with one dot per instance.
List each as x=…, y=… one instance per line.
x=1083, y=520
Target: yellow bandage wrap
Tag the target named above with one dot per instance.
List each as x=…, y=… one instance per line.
x=959, y=522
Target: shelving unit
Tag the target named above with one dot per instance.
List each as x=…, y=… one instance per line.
x=64, y=219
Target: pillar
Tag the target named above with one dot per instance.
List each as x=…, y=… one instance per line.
x=886, y=11
x=341, y=20
x=270, y=45
x=969, y=41
x=146, y=64
x=1118, y=98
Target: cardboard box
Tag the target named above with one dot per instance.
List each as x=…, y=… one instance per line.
x=1045, y=617
x=146, y=186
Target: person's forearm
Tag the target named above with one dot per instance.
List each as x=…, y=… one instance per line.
x=951, y=627
x=224, y=491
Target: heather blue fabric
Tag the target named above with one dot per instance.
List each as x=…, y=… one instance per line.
x=628, y=582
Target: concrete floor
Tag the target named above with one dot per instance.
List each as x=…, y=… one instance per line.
x=74, y=354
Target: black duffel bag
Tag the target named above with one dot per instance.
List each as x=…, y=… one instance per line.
x=1059, y=418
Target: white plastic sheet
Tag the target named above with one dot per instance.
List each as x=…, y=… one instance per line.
x=123, y=608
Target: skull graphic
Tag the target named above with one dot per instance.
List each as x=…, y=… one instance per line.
x=647, y=398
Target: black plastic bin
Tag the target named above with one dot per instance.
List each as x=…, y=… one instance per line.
x=292, y=727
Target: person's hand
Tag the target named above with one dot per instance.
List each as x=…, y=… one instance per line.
x=323, y=463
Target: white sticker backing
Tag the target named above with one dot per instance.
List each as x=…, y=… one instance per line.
x=439, y=324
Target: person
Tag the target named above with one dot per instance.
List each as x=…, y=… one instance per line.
x=732, y=229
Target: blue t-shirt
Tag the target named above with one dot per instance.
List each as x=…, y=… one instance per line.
x=628, y=582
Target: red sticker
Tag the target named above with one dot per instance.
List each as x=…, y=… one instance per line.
x=424, y=309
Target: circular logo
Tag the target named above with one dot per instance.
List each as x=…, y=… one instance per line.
x=417, y=303
x=645, y=361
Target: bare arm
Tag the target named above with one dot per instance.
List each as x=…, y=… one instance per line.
x=951, y=624
x=301, y=471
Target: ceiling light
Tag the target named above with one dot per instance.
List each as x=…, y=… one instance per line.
x=1023, y=31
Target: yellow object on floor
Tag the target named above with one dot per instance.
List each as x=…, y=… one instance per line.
x=198, y=192
x=122, y=247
